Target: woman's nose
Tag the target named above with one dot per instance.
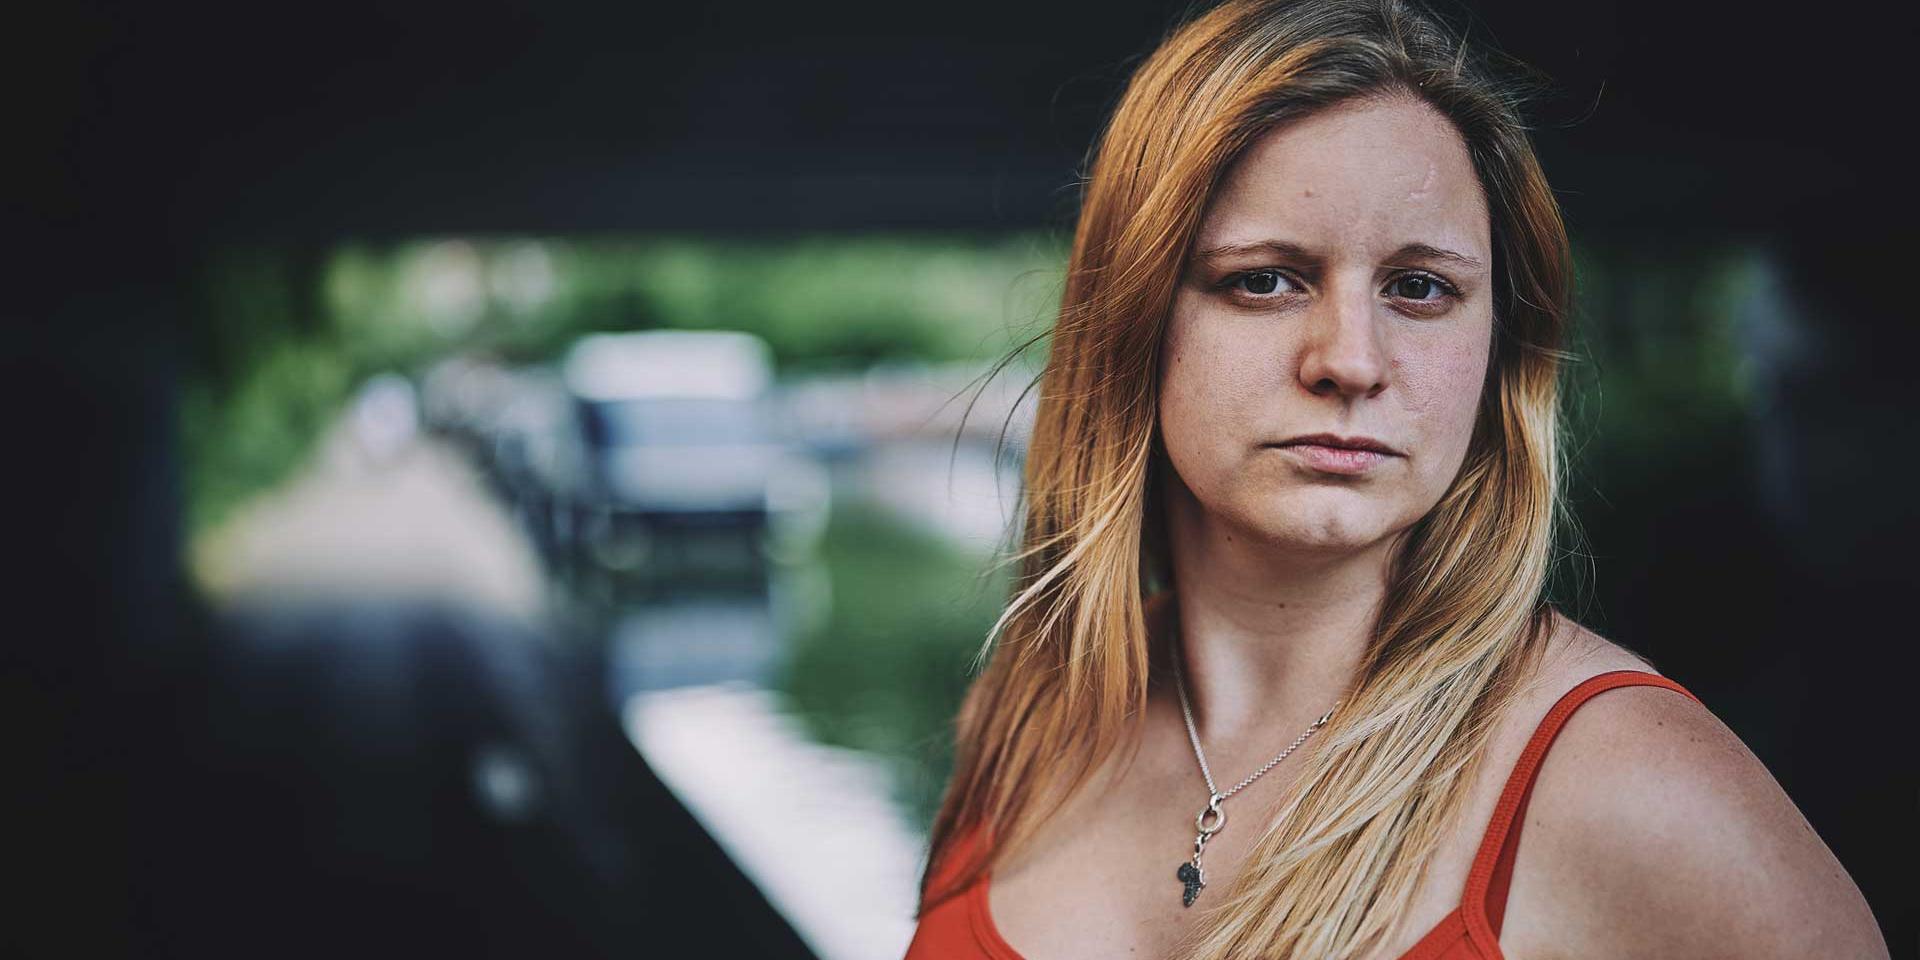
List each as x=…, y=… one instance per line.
x=1343, y=354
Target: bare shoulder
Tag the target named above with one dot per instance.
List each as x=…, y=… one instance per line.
x=1575, y=653
x=1665, y=836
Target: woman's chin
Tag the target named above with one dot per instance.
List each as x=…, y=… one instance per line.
x=1292, y=518
x=1323, y=543
x=1322, y=531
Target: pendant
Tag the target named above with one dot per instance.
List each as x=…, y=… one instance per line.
x=1192, y=880
x=1191, y=875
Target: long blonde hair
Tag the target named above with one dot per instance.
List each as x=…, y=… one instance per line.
x=1464, y=618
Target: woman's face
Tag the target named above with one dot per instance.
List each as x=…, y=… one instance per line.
x=1337, y=298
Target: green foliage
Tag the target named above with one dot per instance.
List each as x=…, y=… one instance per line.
x=834, y=303
x=248, y=436
x=263, y=381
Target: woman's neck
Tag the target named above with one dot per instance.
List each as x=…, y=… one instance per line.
x=1272, y=638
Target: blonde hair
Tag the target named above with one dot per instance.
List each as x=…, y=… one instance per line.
x=1464, y=617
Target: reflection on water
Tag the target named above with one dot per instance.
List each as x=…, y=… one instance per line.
x=866, y=640
x=800, y=706
x=737, y=630
x=785, y=703
x=792, y=676
x=692, y=640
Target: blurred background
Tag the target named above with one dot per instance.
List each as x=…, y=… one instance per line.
x=504, y=478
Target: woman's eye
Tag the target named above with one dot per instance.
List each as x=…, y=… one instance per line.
x=1417, y=286
x=1262, y=283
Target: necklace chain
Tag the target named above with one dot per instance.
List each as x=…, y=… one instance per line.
x=1193, y=876
x=1193, y=736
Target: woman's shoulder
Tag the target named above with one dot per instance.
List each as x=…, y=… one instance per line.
x=1667, y=836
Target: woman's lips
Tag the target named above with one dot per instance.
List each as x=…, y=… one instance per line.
x=1347, y=461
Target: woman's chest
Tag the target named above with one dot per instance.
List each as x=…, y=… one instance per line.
x=1105, y=881
x=1103, y=878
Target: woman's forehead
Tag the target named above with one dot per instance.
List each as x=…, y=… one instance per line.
x=1373, y=174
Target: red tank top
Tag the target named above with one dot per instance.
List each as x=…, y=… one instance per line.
x=961, y=928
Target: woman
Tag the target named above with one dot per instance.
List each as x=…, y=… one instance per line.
x=1277, y=679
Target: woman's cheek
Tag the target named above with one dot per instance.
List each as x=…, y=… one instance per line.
x=1204, y=386
x=1442, y=387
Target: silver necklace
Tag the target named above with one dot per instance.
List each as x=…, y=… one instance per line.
x=1213, y=818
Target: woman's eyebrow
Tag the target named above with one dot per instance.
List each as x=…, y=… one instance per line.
x=1289, y=250
x=1430, y=252
x=1282, y=248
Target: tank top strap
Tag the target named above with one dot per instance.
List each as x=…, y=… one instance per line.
x=1485, y=902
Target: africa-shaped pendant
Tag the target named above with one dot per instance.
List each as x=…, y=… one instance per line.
x=1193, y=878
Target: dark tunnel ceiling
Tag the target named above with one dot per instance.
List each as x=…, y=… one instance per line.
x=355, y=118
